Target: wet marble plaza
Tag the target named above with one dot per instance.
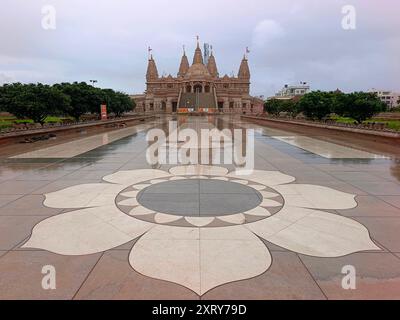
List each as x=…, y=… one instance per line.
x=115, y=227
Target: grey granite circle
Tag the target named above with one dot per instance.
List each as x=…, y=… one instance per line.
x=199, y=197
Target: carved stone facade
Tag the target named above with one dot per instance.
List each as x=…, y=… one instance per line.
x=198, y=88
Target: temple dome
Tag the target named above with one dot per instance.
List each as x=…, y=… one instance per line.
x=197, y=70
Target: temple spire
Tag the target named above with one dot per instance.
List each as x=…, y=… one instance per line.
x=212, y=65
x=152, y=72
x=184, y=66
x=198, y=56
x=244, y=71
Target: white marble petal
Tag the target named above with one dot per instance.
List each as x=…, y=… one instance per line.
x=257, y=186
x=83, y=195
x=141, y=186
x=317, y=197
x=177, y=178
x=258, y=211
x=267, y=194
x=199, y=170
x=130, y=194
x=313, y=232
x=230, y=254
x=129, y=202
x=86, y=231
x=245, y=182
x=154, y=181
x=199, y=263
x=270, y=203
x=199, y=221
x=140, y=211
x=237, y=218
x=176, y=261
x=220, y=178
x=135, y=176
x=165, y=218
x=269, y=178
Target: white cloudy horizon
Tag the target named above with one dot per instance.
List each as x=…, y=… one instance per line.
x=289, y=41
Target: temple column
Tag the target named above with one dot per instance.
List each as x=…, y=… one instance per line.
x=238, y=106
x=169, y=105
x=147, y=106
x=226, y=105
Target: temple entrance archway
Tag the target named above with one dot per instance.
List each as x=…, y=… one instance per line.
x=198, y=88
x=174, y=106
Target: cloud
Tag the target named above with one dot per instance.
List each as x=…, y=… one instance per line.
x=290, y=41
x=266, y=31
x=4, y=78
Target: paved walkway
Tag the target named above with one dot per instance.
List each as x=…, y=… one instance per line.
x=111, y=226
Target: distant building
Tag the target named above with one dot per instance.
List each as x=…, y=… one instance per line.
x=291, y=91
x=390, y=98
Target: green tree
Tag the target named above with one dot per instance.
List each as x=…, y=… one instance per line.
x=316, y=104
x=122, y=103
x=117, y=102
x=84, y=98
x=340, y=102
x=362, y=106
x=33, y=101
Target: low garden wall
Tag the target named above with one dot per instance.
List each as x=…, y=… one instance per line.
x=30, y=131
x=376, y=129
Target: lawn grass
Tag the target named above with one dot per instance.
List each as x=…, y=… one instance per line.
x=9, y=121
x=391, y=124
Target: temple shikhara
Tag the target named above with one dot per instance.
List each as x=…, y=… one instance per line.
x=198, y=88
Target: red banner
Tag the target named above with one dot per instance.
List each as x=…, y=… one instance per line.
x=103, y=112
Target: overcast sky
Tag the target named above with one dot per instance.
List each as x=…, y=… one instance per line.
x=290, y=41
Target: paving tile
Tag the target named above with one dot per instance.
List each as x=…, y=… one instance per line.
x=87, y=175
x=393, y=200
x=287, y=278
x=114, y=278
x=20, y=187
x=384, y=230
x=5, y=199
x=377, y=275
x=29, y=205
x=14, y=229
x=274, y=247
x=21, y=274
x=370, y=206
x=62, y=184
x=352, y=176
x=42, y=175
x=378, y=188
